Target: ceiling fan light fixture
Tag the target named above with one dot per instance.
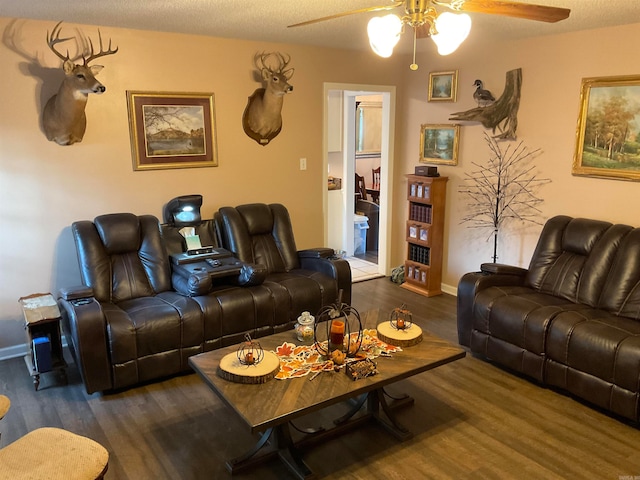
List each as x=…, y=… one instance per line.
x=452, y=30
x=384, y=34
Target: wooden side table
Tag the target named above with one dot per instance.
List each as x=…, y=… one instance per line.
x=44, y=343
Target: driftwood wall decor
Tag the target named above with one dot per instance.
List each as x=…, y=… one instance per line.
x=502, y=114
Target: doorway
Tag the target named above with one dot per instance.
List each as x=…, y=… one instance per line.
x=344, y=230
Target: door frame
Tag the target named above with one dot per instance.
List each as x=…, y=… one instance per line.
x=350, y=92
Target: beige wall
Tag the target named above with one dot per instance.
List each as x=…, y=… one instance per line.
x=552, y=69
x=45, y=187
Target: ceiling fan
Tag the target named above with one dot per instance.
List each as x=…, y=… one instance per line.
x=447, y=30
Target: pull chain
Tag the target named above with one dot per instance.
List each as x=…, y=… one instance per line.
x=414, y=65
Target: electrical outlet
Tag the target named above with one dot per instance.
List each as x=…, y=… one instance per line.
x=303, y=164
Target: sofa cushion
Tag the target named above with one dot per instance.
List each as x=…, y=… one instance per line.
x=621, y=291
x=598, y=343
x=510, y=324
x=596, y=355
x=573, y=258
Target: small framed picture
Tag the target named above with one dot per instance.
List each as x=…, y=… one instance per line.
x=439, y=144
x=443, y=86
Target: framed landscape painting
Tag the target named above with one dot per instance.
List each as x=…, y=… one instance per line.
x=172, y=130
x=608, y=134
x=439, y=144
x=443, y=86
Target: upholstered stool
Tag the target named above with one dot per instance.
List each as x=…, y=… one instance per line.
x=53, y=454
x=5, y=403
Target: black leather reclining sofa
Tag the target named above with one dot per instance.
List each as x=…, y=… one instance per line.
x=135, y=318
x=571, y=320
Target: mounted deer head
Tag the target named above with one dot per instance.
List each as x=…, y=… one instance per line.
x=262, y=119
x=63, y=118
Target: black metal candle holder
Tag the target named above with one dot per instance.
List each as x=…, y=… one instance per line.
x=250, y=352
x=334, y=324
x=401, y=318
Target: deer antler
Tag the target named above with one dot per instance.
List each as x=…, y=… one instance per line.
x=282, y=62
x=54, y=39
x=263, y=57
x=102, y=51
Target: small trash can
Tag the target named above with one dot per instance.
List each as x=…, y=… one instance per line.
x=360, y=227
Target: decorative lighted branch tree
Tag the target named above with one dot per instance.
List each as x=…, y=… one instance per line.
x=503, y=189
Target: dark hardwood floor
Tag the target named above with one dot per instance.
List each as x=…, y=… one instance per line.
x=471, y=420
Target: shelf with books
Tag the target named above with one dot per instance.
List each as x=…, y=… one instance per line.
x=426, y=198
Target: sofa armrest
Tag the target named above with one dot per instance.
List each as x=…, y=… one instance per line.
x=192, y=284
x=502, y=269
x=323, y=261
x=251, y=274
x=316, y=253
x=472, y=283
x=85, y=330
x=77, y=292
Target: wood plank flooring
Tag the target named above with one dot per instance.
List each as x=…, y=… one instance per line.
x=471, y=420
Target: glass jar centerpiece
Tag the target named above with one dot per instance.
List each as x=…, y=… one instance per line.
x=304, y=328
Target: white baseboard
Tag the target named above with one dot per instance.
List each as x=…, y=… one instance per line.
x=19, y=350
x=449, y=289
x=12, y=352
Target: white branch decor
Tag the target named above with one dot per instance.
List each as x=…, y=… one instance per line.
x=503, y=189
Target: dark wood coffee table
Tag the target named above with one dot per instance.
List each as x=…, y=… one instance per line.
x=270, y=407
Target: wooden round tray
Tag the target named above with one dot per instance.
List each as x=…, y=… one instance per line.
x=231, y=369
x=399, y=338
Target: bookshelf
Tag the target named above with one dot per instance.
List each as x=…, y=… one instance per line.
x=426, y=197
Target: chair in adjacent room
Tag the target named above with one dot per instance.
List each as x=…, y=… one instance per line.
x=375, y=174
x=360, y=188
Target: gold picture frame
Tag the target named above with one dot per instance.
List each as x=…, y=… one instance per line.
x=439, y=144
x=604, y=146
x=443, y=86
x=172, y=130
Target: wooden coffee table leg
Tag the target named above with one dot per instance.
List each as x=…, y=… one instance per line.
x=290, y=455
x=281, y=445
x=249, y=459
x=376, y=400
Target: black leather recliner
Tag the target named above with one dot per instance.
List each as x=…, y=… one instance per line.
x=131, y=322
x=262, y=234
x=127, y=324
x=571, y=320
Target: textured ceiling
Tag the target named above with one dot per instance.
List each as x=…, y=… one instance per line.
x=267, y=20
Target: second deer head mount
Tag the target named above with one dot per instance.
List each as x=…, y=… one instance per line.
x=262, y=119
x=63, y=118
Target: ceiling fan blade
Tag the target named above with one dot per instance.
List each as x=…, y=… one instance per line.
x=352, y=12
x=527, y=11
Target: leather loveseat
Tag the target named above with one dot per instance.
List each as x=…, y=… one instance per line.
x=134, y=319
x=571, y=320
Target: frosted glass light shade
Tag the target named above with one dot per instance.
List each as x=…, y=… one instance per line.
x=452, y=30
x=384, y=34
